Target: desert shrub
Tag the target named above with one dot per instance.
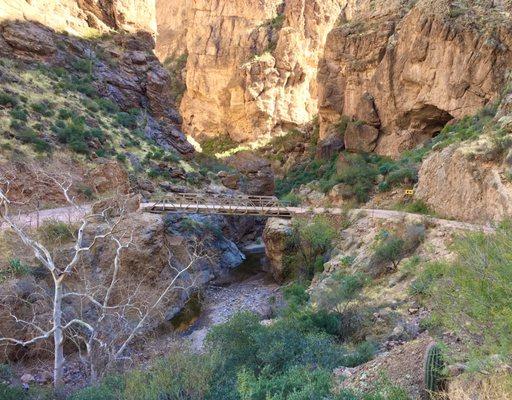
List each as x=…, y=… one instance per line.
x=423, y=283
x=107, y=105
x=73, y=131
x=309, y=243
x=416, y=207
x=339, y=291
x=181, y=375
x=19, y=113
x=389, y=249
x=298, y=382
x=83, y=65
x=28, y=135
x=128, y=120
x=15, y=268
x=44, y=108
x=291, y=199
x=54, y=232
x=11, y=393
x=7, y=99
x=111, y=388
x=473, y=295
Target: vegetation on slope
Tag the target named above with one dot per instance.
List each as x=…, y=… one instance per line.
x=366, y=174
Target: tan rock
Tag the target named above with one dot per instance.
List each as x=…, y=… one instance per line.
x=361, y=137
x=245, y=76
x=275, y=236
x=258, y=177
x=456, y=186
x=78, y=17
x=421, y=67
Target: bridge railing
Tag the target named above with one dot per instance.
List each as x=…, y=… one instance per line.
x=214, y=203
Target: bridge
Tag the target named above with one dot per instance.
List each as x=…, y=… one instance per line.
x=213, y=203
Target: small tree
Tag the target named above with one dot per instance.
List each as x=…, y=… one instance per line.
x=338, y=292
x=390, y=250
x=118, y=312
x=309, y=243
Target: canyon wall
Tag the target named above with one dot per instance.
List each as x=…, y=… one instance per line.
x=83, y=17
x=251, y=66
x=403, y=71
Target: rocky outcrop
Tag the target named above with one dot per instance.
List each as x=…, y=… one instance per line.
x=276, y=238
x=122, y=68
x=251, y=66
x=408, y=71
x=256, y=175
x=83, y=17
x=455, y=186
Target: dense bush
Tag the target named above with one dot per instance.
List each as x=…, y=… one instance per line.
x=473, y=295
x=7, y=99
x=309, y=244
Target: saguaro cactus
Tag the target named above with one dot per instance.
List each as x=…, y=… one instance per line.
x=433, y=369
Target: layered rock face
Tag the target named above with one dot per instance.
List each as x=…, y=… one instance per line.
x=123, y=69
x=403, y=72
x=251, y=65
x=79, y=16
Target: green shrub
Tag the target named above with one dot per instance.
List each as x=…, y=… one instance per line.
x=121, y=157
x=10, y=393
x=216, y=145
x=107, y=105
x=111, y=388
x=389, y=250
x=54, y=232
x=309, y=243
x=339, y=291
x=19, y=113
x=126, y=119
x=298, y=382
x=44, y=108
x=83, y=65
x=473, y=295
x=291, y=200
x=7, y=99
x=28, y=135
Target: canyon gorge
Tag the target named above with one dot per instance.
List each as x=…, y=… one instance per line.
x=252, y=200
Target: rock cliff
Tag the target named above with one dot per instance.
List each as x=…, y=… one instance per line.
x=402, y=71
x=83, y=16
x=251, y=66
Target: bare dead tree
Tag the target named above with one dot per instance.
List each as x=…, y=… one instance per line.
x=117, y=311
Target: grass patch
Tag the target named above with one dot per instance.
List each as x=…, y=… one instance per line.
x=217, y=145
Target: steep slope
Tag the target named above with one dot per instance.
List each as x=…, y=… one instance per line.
x=251, y=67
x=406, y=69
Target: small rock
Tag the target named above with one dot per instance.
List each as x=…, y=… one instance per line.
x=27, y=378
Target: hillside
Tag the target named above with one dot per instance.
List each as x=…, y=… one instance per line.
x=387, y=123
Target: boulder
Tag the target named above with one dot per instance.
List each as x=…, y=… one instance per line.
x=30, y=38
x=275, y=236
x=361, y=137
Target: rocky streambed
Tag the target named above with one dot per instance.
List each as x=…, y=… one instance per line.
x=250, y=287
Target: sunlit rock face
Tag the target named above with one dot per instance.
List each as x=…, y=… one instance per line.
x=83, y=17
x=251, y=67
x=414, y=66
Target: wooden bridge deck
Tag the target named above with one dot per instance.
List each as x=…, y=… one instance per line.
x=200, y=203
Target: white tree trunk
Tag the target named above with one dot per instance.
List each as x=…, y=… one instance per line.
x=58, y=337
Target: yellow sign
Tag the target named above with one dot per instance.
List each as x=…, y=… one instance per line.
x=409, y=192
